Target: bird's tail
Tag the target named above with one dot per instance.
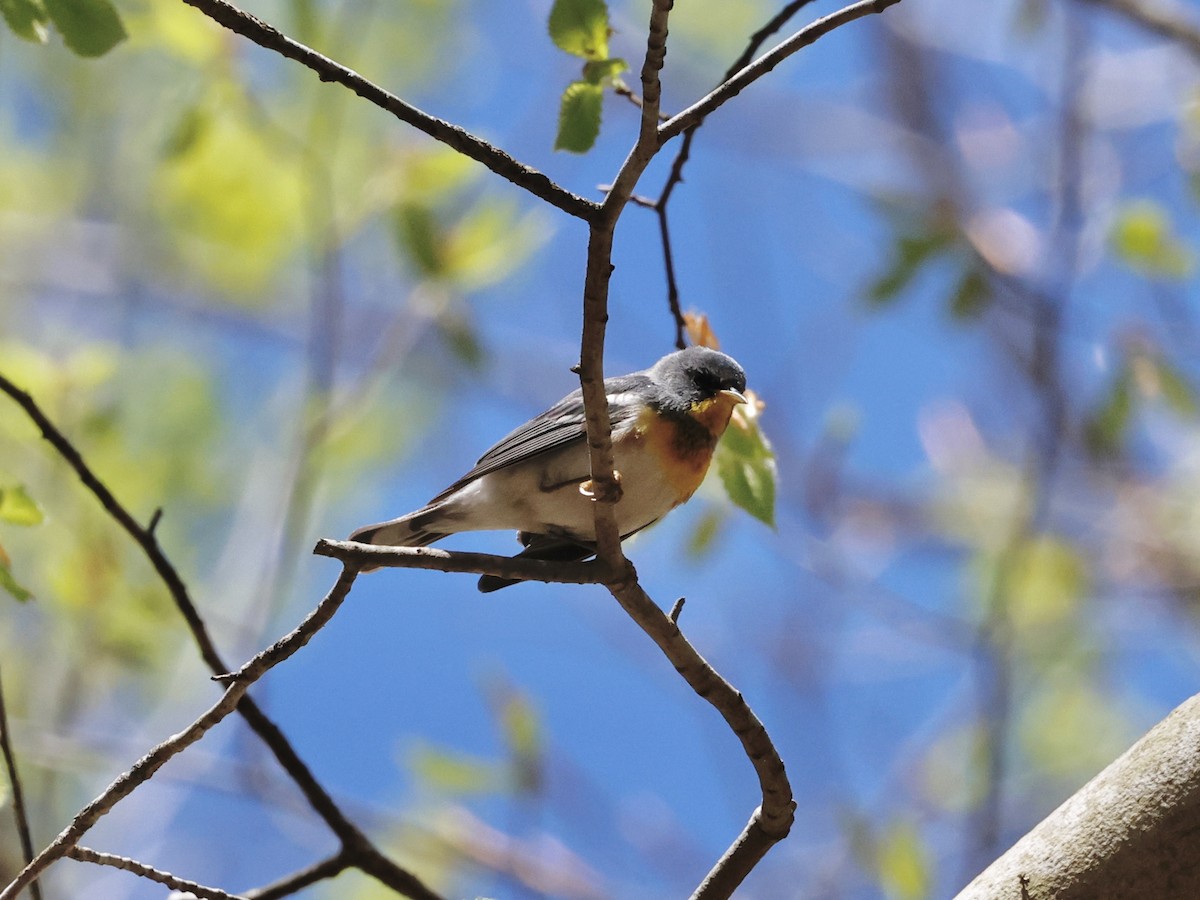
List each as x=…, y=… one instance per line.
x=540, y=546
x=406, y=531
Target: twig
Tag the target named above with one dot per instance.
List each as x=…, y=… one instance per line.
x=673, y=615
x=1159, y=19
x=369, y=556
x=318, y=798
x=144, y=768
x=18, y=794
x=297, y=881
x=675, y=177
x=125, y=864
x=731, y=87
x=452, y=136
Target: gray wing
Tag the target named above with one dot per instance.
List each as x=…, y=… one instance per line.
x=560, y=425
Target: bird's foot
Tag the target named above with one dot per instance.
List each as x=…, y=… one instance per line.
x=602, y=492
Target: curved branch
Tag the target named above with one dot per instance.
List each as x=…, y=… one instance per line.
x=731, y=87
x=451, y=135
x=310, y=875
x=144, y=768
x=289, y=760
x=772, y=821
x=125, y=864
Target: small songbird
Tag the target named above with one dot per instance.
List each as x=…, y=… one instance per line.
x=666, y=421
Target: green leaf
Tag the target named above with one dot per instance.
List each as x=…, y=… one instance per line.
x=26, y=18
x=579, y=117
x=911, y=253
x=902, y=863
x=1144, y=240
x=746, y=465
x=420, y=237
x=972, y=295
x=452, y=772
x=1105, y=430
x=1177, y=391
x=705, y=534
x=1046, y=581
x=9, y=584
x=520, y=724
x=18, y=508
x=1070, y=728
x=580, y=27
x=88, y=27
x=522, y=729
x=597, y=71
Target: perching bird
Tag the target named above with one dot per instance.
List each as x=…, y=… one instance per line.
x=666, y=421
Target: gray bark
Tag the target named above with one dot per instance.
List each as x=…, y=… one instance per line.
x=1132, y=832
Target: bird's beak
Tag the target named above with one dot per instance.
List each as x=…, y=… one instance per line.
x=736, y=396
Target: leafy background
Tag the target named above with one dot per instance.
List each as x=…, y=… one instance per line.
x=954, y=247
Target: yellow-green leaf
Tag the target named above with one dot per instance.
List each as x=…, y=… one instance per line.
x=597, y=71
x=452, y=772
x=579, y=117
x=746, y=464
x=1144, y=239
x=580, y=27
x=1070, y=729
x=235, y=225
x=18, y=508
x=1046, y=581
x=26, y=18
x=705, y=533
x=88, y=27
x=520, y=723
x=902, y=863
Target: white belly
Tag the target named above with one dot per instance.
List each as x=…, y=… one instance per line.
x=513, y=498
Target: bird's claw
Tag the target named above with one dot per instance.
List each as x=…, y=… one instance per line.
x=602, y=492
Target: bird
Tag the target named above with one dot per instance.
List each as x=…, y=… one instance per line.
x=666, y=422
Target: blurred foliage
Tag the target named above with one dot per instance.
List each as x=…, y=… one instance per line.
x=922, y=241
x=88, y=27
x=185, y=185
x=1143, y=238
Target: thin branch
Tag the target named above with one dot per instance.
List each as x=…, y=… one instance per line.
x=765, y=63
x=605, y=483
x=664, y=237
x=451, y=135
x=156, y=758
x=681, y=157
x=297, y=881
x=270, y=734
x=772, y=821
x=18, y=794
x=370, y=556
x=738, y=861
x=1159, y=19
x=125, y=864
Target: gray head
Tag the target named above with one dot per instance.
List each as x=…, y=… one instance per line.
x=696, y=374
